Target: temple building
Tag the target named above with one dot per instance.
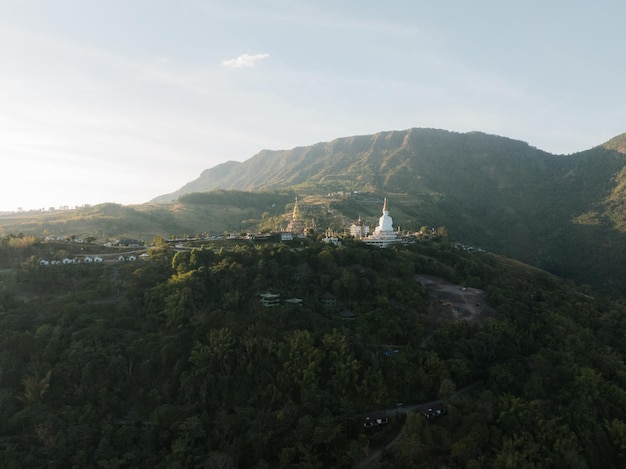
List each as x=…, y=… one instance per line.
x=384, y=235
x=359, y=230
x=331, y=238
x=296, y=225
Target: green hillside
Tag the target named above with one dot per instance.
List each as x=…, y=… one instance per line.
x=174, y=362
x=216, y=213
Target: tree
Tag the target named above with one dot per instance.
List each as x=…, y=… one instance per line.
x=446, y=388
x=34, y=388
x=302, y=368
x=442, y=232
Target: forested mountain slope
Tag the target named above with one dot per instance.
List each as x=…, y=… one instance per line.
x=564, y=213
x=399, y=161
x=174, y=362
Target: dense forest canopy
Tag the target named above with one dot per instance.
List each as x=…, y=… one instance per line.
x=175, y=362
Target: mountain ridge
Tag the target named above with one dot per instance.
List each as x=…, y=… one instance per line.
x=559, y=212
x=273, y=169
x=562, y=213
x=617, y=143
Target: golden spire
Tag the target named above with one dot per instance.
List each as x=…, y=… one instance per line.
x=385, y=205
x=296, y=210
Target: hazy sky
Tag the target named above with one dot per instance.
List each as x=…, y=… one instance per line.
x=121, y=101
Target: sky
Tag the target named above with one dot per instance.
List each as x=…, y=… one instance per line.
x=124, y=100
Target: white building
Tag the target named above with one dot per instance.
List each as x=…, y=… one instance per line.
x=359, y=229
x=384, y=235
x=270, y=300
x=331, y=237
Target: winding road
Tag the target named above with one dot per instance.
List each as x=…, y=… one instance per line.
x=374, y=455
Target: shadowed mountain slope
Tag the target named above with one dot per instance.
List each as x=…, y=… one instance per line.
x=565, y=213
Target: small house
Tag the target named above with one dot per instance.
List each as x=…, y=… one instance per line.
x=270, y=300
x=129, y=242
x=347, y=315
x=328, y=300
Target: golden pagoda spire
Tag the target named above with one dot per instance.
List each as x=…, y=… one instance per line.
x=296, y=210
x=385, y=205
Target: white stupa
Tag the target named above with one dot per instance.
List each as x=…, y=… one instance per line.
x=384, y=235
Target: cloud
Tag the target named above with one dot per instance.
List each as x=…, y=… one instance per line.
x=245, y=60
